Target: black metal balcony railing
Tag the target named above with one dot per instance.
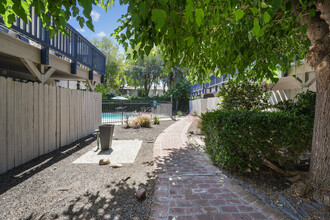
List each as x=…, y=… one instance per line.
x=199, y=89
x=76, y=47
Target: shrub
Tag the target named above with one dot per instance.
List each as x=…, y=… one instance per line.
x=180, y=93
x=305, y=104
x=179, y=113
x=148, y=99
x=242, y=139
x=243, y=95
x=142, y=120
x=156, y=120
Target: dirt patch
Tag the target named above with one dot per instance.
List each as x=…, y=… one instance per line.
x=51, y=187
x=269, y=186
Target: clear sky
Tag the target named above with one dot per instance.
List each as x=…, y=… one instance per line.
x=104, y=22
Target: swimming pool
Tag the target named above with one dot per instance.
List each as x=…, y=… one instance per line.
x=117, y=116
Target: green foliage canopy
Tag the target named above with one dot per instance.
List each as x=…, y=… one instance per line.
x=144, y=72
x=60, y=10
x=223, y=35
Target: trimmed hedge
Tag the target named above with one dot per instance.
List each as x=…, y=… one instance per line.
x=242, y=139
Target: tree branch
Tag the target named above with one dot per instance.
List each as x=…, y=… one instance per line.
x=324, y=8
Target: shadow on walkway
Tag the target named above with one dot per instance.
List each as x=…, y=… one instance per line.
x=190, y=187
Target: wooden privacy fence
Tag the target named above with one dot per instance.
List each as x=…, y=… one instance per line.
x=36, y=119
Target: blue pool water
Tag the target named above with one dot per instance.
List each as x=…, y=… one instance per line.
x=116, y=115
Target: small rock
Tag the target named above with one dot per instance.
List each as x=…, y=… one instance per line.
x=141, y=194
x=54, y=215
x=64, y=189
x=104, y=162
x=116, y=165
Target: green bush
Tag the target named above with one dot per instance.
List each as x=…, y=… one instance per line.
x=305, y=104
x=148, y=99
x=179, y=113
x=242, y=139
x=243, y=95
x=156, y=120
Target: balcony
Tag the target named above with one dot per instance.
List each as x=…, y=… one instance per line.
x=209, y=88
x=27, y=52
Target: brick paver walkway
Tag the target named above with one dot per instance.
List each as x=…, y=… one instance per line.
x=188, y=186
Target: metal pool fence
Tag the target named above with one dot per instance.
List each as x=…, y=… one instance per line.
x=118, y=112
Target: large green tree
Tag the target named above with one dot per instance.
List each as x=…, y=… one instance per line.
x=179, y=90
x=144, y=72
x=226, y=36
x=114, y=64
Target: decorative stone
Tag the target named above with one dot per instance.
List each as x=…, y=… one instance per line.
x=104, y=162
x=141, y=194
x=118, y=165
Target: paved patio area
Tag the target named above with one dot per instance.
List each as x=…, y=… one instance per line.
x=190, y=187
x=121, y=151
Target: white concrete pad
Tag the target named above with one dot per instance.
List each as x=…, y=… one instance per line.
x=122, y=151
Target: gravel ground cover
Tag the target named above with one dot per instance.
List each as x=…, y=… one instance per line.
x=51, y=187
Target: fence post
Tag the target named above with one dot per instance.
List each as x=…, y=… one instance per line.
x=74, y=45
x=92, y=58
x=47, y=39
x=171, y=105
x=122, y=112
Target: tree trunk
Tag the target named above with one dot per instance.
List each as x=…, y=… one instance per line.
x=145, y=89
x=320, y=161
x=171, y=78
x=319, y=58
